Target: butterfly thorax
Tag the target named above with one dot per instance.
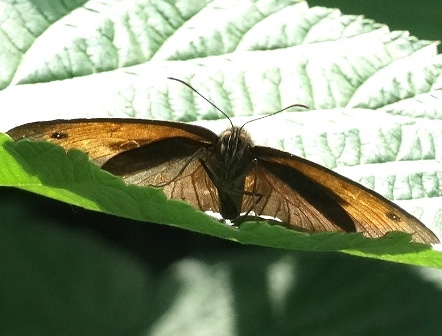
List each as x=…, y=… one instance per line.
x=229, y=159
x=234, y=153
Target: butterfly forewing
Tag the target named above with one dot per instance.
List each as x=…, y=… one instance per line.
x=372, y=214
x=104, y=138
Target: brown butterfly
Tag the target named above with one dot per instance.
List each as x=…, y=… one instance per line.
x=227, y=174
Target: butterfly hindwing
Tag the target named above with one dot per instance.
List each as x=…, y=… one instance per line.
x=172, y=164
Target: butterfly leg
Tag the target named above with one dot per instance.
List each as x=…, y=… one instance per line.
x=256, y=197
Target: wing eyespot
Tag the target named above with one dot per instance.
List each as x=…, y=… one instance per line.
x=394, y=217
x=59, y=135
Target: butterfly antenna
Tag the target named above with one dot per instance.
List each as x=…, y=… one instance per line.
x=269, y=115
x=199, y=94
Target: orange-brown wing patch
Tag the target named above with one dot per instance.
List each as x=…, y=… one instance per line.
x=105, y=138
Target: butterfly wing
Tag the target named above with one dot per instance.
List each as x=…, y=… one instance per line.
x=105, y=138
x=142, y=152
x=174, y=165
x=270, y=191
x=281, y=175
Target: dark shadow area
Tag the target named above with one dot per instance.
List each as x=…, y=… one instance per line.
x=333, y=293
x=341, y=294
x=156, y=245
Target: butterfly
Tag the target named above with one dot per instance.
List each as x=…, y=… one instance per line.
x=228, y=174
